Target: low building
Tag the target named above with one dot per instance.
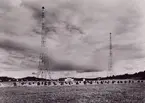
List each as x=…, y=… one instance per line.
x=69, y=80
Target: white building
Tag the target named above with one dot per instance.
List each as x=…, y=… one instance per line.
x=69, y=80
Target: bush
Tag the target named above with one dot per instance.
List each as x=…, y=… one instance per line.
x=15, y=84
x=85, y=82
x=77, y=83
x=42, y=83
x=45, y=83
x=49, y=83
x=61, y=83
x=91, y=82
x=22, y=83
x=38, y=83
x=54, y=83
x=101, y=82
x=113, y=82
x=29, y=83
x=65, y=82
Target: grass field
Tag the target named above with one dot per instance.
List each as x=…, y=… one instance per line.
x=102, y=93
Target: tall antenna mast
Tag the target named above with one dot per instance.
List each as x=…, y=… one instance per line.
x=42, y=68
x=110, y=57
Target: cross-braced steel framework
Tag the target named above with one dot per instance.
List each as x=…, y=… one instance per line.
x=110, y=56
x=44, y=64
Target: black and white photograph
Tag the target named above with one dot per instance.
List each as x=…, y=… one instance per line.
x=72, y=51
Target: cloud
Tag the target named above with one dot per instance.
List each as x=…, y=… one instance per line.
x=21, y=47
x=10, y=45
x=27, y=56
x=77, y=35
x=15, y=20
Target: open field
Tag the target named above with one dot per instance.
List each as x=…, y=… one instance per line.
x=101, y=93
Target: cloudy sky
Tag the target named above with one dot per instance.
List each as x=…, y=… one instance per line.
x=77, y=36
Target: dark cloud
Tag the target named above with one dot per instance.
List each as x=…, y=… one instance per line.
x=70, y=67
x=133, y=50
x=11, y=45
x=9, y=63
x=19, y=48
x=131, y=47
x=28, y=60
x=5, y=5
x=54, y=15
x=65, y=21
x=130, y=20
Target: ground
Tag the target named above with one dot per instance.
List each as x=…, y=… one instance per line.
x=102, y=93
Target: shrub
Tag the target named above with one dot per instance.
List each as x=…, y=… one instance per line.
x=45, y=83
x=77, y=83
x=101, y=82
x=15, y=84
x=113, y=82
x=38, y=83
x=29, y=83
x=85, y=82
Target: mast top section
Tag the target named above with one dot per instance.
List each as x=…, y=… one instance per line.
x=43, y=7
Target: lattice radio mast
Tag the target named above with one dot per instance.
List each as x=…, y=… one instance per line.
x=110, y=57
x=43, y=71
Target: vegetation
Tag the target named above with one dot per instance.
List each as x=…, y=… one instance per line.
x=119, y=93
x=139, y=76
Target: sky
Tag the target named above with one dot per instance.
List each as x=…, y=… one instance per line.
x=77, y=37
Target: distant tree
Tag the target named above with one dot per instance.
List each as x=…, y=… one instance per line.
x=38, y=83
x=42, y=83
x=85, y=82
x=101, y=82
x=61, y=83
x=91, y=82
x=69, y=83
x=108, y=82
x=22, y=83
x=45, y=83
x=54, y=83
x=65, y=82
x=77, y=83
x=29, y=83
x=49, y=83
x=15, y=84
x=113, y=82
